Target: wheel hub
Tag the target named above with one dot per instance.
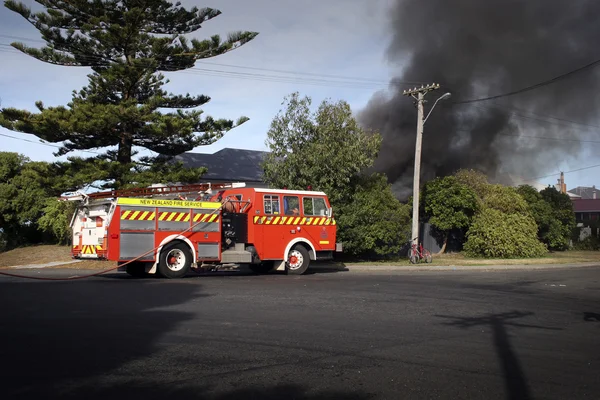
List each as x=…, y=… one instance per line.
x=175, y=260
x=295, y=260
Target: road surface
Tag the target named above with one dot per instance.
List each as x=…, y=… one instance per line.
x=328, y=335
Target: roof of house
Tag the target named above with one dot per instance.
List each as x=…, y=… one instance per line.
x=586, y=205
x=227, y=164
x=585, y=192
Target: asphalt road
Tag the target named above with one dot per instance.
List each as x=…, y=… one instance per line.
x=337, y=335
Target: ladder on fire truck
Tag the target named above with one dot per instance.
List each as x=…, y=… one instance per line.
x=200, y=188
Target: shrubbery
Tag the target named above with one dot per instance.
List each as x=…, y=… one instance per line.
x=510, y=223
x=495, y=234
x=373, y=223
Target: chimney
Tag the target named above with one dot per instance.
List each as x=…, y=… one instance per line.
x=562, y=185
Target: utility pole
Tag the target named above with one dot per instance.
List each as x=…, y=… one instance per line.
x=419, y=95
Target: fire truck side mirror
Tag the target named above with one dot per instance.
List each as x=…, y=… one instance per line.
x=329, y=212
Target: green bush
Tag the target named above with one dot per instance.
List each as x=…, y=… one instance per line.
x=589, y=243
x=373, y=223
x=495, y=234
x=56, y=219
x=505, y=199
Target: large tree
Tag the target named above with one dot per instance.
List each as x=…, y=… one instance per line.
x=563, y=218
x=327, y=150
x=25, y=187
x=449, y=206
x=127, y=44
x=553, y=213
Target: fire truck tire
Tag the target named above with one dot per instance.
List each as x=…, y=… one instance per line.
x=298, y=260
x=136, y=269
x=175, y=260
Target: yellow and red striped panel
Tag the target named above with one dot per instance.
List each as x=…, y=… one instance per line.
x=88, y=249
x=173, y=216
x=167, y=216
x=293, y=221
x=130, y=215
x=206, y=217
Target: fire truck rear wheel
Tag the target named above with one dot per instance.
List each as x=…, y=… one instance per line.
x=298, y=260
x=175, y=260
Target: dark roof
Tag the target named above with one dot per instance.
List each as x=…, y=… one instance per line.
x=586, y=192
x=236, y=165
x=586, y=205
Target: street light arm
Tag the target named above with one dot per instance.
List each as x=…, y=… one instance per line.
x=441, y=98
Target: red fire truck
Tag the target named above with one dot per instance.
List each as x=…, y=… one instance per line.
x=169, y=234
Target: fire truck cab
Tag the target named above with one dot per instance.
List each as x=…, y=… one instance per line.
x=265, y=229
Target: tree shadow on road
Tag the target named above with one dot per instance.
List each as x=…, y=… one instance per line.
x=514, y=376
x=101, y=339
x=57, y=332
x=142, y=391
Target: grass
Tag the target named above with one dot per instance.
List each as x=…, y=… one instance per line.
x=45, y=254
x=564, y=257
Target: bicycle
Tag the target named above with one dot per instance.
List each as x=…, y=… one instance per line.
x=416, y=253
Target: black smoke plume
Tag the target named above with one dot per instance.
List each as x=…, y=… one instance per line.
x=480, y=48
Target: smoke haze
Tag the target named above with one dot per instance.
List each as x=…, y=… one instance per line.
x=474, y=49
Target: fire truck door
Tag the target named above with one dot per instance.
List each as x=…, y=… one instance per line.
x=270, y=229
x=93, y=232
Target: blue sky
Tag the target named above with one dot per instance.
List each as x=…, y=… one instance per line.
x=334, y=37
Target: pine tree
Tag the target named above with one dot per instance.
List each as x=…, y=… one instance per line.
x=127, y=44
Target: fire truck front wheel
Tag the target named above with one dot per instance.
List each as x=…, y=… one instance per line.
x=175, y=260
x=298, y=260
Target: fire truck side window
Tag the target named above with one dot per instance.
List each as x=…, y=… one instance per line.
x=291, y=205
x=314, y=206
x=271, y=204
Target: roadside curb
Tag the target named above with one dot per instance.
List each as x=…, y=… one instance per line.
x=496, y=267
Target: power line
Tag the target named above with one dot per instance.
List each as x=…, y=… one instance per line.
x=565, y=172
x=254, y=77
x=538, y=137
x=550, y=138
x=532, y=87
x=44, y=143
x=537, y=117
x=354, y=79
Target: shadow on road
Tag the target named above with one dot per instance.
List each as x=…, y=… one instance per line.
x=591, y=317
x=160, y=392
x=326, y=268
x=53, y=334
x=521, y=287
x=315, y=268
x=514, y=377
